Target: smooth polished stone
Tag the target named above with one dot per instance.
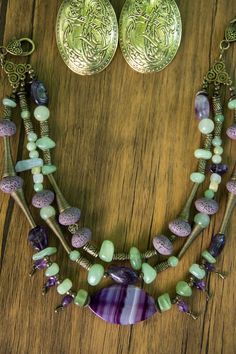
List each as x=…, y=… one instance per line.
x=81, y=237
x=173, y=261
x=32, y=137
x=11, y=184
x=231, y=132
x=8, y=102
x=217, y=141
x=209, y=194
x=231, y=187
x=38, y=178
x=206, y=126
x=164, y=302
x=232, y=103
x=218, y=150
x=202, y=105
x=35, y=170
x=31, y=146
x=198, y=272
x=149, y=273
x=38, y=237
x=95, y=274
x=82, y=298
x=122, y=304
x=39, y=92
x=41, y=113
x=135, y=258
x=122, y=275
x=208, y=257
x=180, y=227
x=64, y=287
x=38, y=187
x=163, y=245
x=183, y=289
x=219, y=118
x=47, y=212
x=43, y=198
x=216, y=159
x=202, y=219
x=69, y=216
x=74, y=255
x=197, y=177
x=45, y=143
x=49, y=251
x=52, y=281
x=52, y=270
x=33, y=154
x=7, y=128
x=25, y=114
x=217, y=245
x=106, y=251
x=67, y=300
x=48, y=169
x=25, y=165
x=207, y=206
x=203, y=154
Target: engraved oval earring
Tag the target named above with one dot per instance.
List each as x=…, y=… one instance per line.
x=149, y=33
x=87, y=35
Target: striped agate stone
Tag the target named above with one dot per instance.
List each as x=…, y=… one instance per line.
x=122, y=304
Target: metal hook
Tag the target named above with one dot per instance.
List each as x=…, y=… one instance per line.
x=15, y=47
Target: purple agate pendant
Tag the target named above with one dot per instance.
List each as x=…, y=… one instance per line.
x=123, y=304
x=39, y=92
x=202, y=105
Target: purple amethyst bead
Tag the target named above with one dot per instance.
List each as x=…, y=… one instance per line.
x=202, y=105
x=220, y=168
x=122, y=275
x=42, y=198
x=10, y=184
x=180, y=227
x=209, y=267
x=217, y=244
x=200, y=284
x=38, y=237
x=51, y=281
x=81, y=237
x=231, y=132
x=7, y=128
x=39, y=92
x=231, y=186
x=206, y=206
x=69, y=216
x=183, y=306
x=67, y=300
x=40, y=264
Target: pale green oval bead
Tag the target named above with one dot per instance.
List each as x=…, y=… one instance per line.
x=209, y=194
x=47, y=212
x=203, y=154
x=197, y=177
x=41, y=113
x=206, y=126
x=52, y=270
x=219, y=118
x=33, y=154
x=149, y=273
x=82, y=298
x=216, y=178
x=217, y=141
x=74, y=255
x=49, y=251
x=208, y=257
x=35, y=170
x=48, y=169
x=164, y=302
x=38, y=187
x=202, y=219
x=232, y=104
x=183, y=289
x=25, y=114
x=95, y=274
x=173, y=261
x=64, y=287
x=45, y=143
x=218, y=150
x=38, y=178
x=106, y=251
x=8, y=102
x=198, y=272
x=135, y=258
x=31, y=146
x=216, y=159
x=32, y=137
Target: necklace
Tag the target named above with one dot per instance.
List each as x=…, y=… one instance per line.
x=123, y=302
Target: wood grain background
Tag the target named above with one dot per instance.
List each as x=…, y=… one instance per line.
x=125, y=144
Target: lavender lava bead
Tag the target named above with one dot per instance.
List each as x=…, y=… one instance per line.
x=7, y=128
x=231, y=186
x=207, y=206
x=81, y=237
x=11, y=183
x=43, y=198
x=231, y=132
x=180, y=227
x=69, y=216
x=163, y=245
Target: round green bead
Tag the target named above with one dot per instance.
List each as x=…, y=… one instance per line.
x=45, y=252
x=216, y=178
x=52, y=270
x=217, y=141
x=25, y=114
x=173, y=261
x=183, y=289
x=149, y=273
x=48, y=169
x=32, y=137
x=47, y=212
x=41, y=113
x=208, y=257
x=33, y=154
x=95, y=274
x=198, y=272
x=232, y=104
x=197, y=177
x=219, y=118
x=64, y=287
x=74, y=255
x=206, y=126
x=164, y=302
x=38, y=187
x=135, y=258
x=202, y=219
x=209, y=194
x=107, y=251
x=82, y=298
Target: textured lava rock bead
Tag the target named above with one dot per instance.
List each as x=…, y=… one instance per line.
x=81, y=237
x=231, y=186
x=43, y=198
x=180, y=227
x=207, y=206
x=163, y=245
x=7, y=128
x=69, y=216
x=231, y=132
x=11, y=184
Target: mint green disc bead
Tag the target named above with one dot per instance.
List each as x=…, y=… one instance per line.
x=217, y=141
x=164, y=302
x=206, y=126
x=218, y=150
x=173, y=261
x=8, y=102
x=202, y=219
x=82, y=298
x=106, y=251
x=33, y=154
x=45, y=143
x=232, y=104
x=32, y=137
x=48, y=169
x=183, y=289
x=47, y=212
x=197, y=271
x=209, y=194
x=219, y=118
x=95, y=274
x=149, y=273
x=216, y=178
x=135, y=258
x=197, y=177
x=64, y=287
x=31, y=146
x=38, y=187
x=52, y=270
x=203, y=154
x=74, y=255
x=208, y=257
x=41, y=113
x=49, y=251
x=25, y=114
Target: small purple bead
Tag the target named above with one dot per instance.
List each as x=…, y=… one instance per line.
x=220, y=168
x=39, y=92
x=200, y=284
x=69, y=216
x=180, y=227
x=202, y=105
x=163, y=245
x=10, y=184
x=41, y=264
x=206, y=206
x=67, y=300
x=52, y=281
x=217, y=245
x=209, y=267
x=183, y=306
x=231, y=132
x=7, y=128
x=81, y=237
x=38, y=237
x=231, y=186
x=122, y=275
x=43, y=198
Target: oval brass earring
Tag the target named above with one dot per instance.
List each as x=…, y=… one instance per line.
x=87, y=35
x=150, y=33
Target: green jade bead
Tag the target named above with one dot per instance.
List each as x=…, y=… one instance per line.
x=52, y=270
x=197, y=177
x=74, y=255
x=135, y=258
x=38, y=187
x=48, y=169
x=203, y=154
x=173, y=261
x=45, y=143
x=46, y=252
x=202, y=219
x=64, y=287
x=8, y=102
x=198, y=272
x=81, y=298
x=47, y=212
x=208, y=257
x=183, y=289
x=219, y=118
x=232, y=104
x=149, y=273
x=164, y=302
x=106, y=251
x=95, y=274
x=209, y=194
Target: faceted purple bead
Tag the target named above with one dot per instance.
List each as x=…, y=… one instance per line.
x=40, y=264
x=200, y=284
x=220, y=168
x=67, y=300
x=38, y=237
x=122, y=275
x=202, y=105
x=123, y=304
x=217, y=244
x=183, y=306
x=39, y=92
x=209, y=267
x=51, y=281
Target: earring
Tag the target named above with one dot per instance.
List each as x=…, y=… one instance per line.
x=87, y=35
x=150, y=33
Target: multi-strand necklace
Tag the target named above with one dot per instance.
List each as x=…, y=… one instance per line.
x=123, y=302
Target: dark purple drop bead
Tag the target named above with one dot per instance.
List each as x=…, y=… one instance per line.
x=40, y=264
x=183, y=306
x=67, y=300
x=52, y=281
x=38, y=237
x=39, y=92
x=122, y=275
x=200, y=284
x=209, y=267
x=220, y=168
x=217, y=244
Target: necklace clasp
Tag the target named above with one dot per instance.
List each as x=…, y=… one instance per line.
x=21, y=47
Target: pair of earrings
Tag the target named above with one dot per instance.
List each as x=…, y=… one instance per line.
x=87, y=33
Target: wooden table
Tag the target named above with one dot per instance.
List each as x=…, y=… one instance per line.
x=125, y=144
